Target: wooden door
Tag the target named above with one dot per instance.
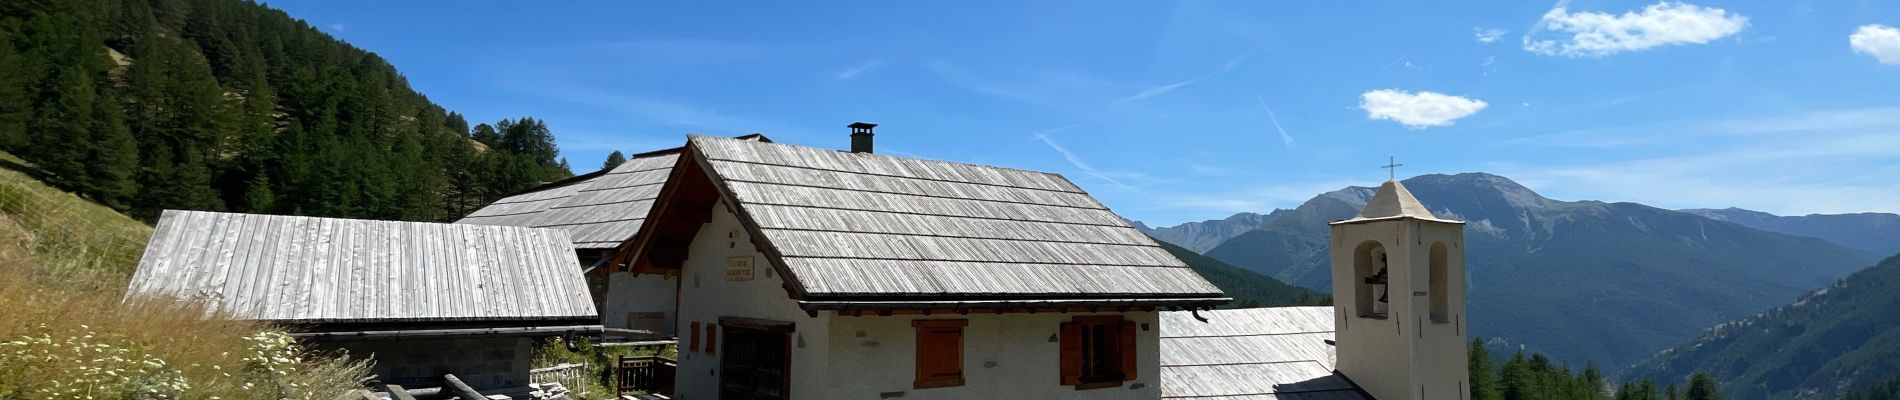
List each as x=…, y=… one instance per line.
x=754, y=364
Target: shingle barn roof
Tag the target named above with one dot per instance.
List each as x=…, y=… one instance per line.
x=1252, y=354
x=599, y=211
x=328, y=270
x=861, y=227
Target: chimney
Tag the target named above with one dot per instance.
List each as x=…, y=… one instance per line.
x=861, y=136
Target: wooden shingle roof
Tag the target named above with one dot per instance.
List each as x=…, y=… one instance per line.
x=330, y=270
x=1252, y=354
x=599, y=211
x=863, y=228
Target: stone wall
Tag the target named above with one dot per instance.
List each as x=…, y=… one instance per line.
x=484, y=363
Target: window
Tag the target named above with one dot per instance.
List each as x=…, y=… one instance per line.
x=712, y=338
x=1440, y=291
x=1098, y=352
x=692, y=343
x=1370, y=280
x=939, y=352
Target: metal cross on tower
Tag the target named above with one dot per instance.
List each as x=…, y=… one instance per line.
x=1392, y=167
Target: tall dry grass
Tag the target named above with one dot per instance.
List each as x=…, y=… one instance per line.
x=67, y=333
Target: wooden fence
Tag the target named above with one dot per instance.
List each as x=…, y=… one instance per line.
x=572, y=376
x=647, y=374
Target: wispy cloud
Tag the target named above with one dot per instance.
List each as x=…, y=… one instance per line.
x=1488, y=35
x=1594, y=34
x=1418, y=110
x=682, y=51
x=1880, y=41
x=338, y=27
x=659, y=111
x=1284, y=137
x=1077, y=161
x=1164, y=89
x=1247, y=197
x=1829, y=161
x=957, y=76
x=1159, y=90
x=853, y=72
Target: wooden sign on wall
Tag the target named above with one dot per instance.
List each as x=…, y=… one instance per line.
x=739, y=268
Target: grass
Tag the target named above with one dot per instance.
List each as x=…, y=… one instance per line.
x=66, y=333
x=599, y=360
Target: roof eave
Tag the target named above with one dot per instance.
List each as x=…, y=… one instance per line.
x=1395, y=218
x=1003, y=304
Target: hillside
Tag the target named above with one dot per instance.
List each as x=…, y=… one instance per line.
x=1604, y=282
x=1826, y=343
x=146, y=105
x=1246, y=287
x=1875, y=232
x=1204, y=235
x=64, y=262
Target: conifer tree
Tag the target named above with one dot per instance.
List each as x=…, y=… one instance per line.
x=112, y=156
x=1483, y=377
x=259, y=198
x=1703, y=387
x=615, y=159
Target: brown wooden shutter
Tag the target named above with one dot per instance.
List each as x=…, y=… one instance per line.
x=692, y=342
x=1128, y=351
x=712, y=338
x=1071, y=353
x=939, y=353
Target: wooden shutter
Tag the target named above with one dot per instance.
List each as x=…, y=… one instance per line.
x=692, y=342
x=1128, y=350
x=1071, y=353
x=712, y=338
x=939, y=353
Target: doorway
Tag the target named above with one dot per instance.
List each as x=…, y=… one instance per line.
x=754, y=364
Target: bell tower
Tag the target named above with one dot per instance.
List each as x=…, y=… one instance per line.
x=1399, y=299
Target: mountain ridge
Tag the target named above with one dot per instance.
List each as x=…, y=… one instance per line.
x=1870, y=231
x=1827, y=342
x=1609, y=282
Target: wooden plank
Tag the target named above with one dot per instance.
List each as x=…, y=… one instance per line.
x=456, y=386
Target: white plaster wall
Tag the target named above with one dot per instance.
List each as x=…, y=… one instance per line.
x=1008, y=356
x=706, y=295
x=1441, y=359
x=1405, y=356
x=648, y=293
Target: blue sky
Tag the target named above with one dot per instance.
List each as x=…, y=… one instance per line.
x=1173, y=112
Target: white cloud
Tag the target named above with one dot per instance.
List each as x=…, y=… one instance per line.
x=1418, y=110
x=860, y=69
x=1880, y=41
x=1488, y=35
x=1593, y=34
x=336, y=27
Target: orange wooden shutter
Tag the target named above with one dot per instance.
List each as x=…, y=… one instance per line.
x=1071, y=353
x=712, y=338
x=692, y=342
x=1128, y=351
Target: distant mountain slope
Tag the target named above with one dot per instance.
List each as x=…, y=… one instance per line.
x=1831, y=341
x=1606, y=282
x=1204, y=235
x=1241, y=284
x=1875, y=232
